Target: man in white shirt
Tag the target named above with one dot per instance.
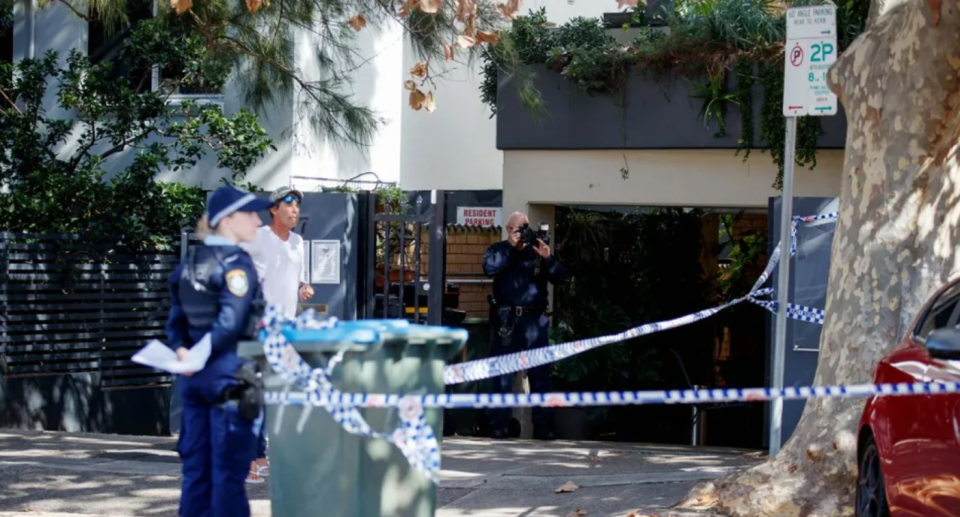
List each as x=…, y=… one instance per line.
x=277, y=254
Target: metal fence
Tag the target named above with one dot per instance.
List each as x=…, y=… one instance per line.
x=71, y=306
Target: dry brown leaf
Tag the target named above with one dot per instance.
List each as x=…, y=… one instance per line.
x=419, y=69
x=464, y=41
x=358, y=22
x=430, y=104
x=181, y=6
x=466, y=9
x=417, y=99
x=430, y=6
x=447, y=52
x=471, y=27
x=410, y=85
x=254, y=5
x=569, y=486
x=488, y=37
x=626, y=3
x=577, y=513
x=510, y=8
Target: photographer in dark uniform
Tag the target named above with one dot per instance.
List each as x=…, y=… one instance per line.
x=521, y=266
x=215, y=295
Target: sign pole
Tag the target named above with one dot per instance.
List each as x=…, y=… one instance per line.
x=810, y=51
x=783, y=284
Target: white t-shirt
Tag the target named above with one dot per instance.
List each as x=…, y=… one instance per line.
x=280, y=267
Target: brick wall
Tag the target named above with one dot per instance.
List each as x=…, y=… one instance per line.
x=465, y=249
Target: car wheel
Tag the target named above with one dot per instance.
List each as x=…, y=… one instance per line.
x=871, y=496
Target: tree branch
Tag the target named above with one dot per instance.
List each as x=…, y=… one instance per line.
x=123, y=145
x=75, y=11
x=93, y=140
x=11, y=102
x=306, y=87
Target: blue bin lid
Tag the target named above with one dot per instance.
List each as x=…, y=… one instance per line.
x=369, y=332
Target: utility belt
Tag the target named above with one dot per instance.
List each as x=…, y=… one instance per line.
x=508, y=314
x=248, y=393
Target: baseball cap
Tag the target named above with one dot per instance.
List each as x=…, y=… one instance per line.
x=229, y=199
x=282, y=192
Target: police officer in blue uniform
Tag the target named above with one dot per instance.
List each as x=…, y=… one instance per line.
x=518, y=312
x=215, y=291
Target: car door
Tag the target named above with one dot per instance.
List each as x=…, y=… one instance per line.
x=940, y=492
x=931, y=473
x=898, y=423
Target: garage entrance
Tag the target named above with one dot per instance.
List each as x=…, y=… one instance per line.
x=634, y=265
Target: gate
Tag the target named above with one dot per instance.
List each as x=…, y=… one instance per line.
x=404, y=250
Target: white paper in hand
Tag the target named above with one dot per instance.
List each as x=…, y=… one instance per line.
x=160, y=356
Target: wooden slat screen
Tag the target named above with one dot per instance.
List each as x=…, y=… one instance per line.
x=69, y=306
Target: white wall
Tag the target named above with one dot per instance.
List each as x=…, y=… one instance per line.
x=702, y=178
x=454, y=147
x=377, y=84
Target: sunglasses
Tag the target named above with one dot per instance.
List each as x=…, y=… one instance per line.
x=290, y=198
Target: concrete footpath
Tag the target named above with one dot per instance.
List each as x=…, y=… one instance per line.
x=73, y=475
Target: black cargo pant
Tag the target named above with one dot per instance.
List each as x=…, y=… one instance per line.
x=523, y=332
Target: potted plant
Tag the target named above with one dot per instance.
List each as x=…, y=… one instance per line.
x=390, y=199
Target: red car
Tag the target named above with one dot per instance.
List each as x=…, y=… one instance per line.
x=908, y=451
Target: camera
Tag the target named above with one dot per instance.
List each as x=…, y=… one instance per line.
x=529, y=237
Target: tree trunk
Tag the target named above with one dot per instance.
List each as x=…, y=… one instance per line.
x=895, y=243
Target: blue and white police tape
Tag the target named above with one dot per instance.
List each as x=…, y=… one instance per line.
x=610, y=398
x=504, y=364
x=797, y=312
x=486, y=368
x=413, y=436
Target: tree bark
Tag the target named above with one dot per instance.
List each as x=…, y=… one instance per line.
x=895, y=243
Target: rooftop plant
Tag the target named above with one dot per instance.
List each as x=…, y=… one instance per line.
x=704, y=41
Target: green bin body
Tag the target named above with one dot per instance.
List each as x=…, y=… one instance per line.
x=317, y=468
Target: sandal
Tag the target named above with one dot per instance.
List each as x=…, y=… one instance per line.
x=255, y=477
x=264, y=470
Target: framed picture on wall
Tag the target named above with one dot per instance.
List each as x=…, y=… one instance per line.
x=325, y=262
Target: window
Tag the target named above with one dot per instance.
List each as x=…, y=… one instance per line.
x=944, y=312
x=103, y=46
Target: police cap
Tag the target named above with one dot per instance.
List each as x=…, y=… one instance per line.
x=229, y=199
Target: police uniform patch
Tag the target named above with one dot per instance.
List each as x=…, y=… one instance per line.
x=237, y=282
